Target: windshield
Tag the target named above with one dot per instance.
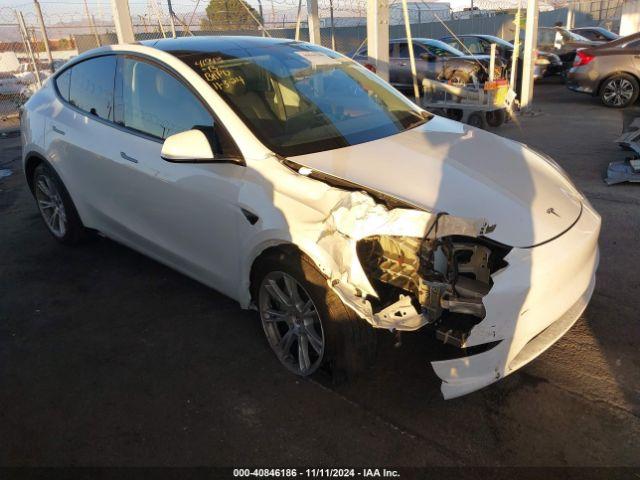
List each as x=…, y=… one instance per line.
x=498, y=41
x=573, y=36
x=442, y=49
x=298, y=98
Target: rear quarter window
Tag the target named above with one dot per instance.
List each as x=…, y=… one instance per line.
x=63, y=82
x=91, y=86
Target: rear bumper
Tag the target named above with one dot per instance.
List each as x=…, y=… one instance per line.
x=534, y=301
x=580, y=79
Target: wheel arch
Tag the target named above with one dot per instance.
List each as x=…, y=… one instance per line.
x=31, y=162
x=272, y=247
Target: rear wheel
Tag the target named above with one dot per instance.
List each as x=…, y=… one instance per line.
x=619, y=91
x=55, y=206
x=477, y=119
x=495, y=118
x=305, y=322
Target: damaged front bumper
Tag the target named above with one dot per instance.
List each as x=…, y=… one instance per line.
x=532, y=304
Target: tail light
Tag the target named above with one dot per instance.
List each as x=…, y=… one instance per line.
x=370, y=66
x=582, y=58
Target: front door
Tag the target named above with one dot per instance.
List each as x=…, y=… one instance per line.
x=186, y=214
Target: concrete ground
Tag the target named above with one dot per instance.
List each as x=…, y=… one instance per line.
x=109, y=358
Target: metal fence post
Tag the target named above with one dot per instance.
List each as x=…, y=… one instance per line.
x=91, y=24
x=23, y=31
x=412, y=58
x=173, y=25
x=298, y=19
x=333, y=30
x=156, y=10
x=43, y=30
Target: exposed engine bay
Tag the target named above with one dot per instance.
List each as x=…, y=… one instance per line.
x=446, y=278
x=401, y=268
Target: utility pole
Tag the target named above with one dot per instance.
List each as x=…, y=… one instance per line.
x=378, y=36
x=173, y=25
x=313, y=20
x=43, y=30
x=528, y=60
x=122, y=19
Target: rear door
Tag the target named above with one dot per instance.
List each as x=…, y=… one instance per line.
x=79, y=136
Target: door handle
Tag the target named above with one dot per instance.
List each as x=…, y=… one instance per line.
x=57, y=130
x=128, y=158
x=403, y=64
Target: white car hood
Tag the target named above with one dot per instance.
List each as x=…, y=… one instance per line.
x=446, y=166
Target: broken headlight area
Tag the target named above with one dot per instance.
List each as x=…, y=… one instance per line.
x=445, y=278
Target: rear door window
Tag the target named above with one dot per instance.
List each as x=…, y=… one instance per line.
x=91, y=86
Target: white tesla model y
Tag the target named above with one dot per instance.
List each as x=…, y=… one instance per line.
x=297, y=182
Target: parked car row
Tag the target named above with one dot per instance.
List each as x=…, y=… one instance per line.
x=592, y=60
x=465, y=59
x=546, y=63
x=435, y=60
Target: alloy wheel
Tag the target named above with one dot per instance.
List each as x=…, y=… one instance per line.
x=618, y=92
x=51, y=205
x=291, y=322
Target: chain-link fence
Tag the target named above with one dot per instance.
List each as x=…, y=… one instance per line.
x=74, y=26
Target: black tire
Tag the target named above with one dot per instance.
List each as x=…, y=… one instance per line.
x=350, y=342
x=476, y=119
x=495, y=118
x=454, y=114
x=74, y=231
x=619, y=91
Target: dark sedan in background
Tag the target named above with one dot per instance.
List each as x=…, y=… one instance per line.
x=435, y=60
x=597, y=34
x=610, y=71
x=563, y=43
x=479, y=44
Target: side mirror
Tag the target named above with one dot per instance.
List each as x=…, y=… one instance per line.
x=429, y=57
x=189, y=146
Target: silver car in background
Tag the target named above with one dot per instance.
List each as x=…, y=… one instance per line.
x=610, y=71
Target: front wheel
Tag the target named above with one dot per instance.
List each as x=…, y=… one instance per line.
x=619, y=91
x=305, y=322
